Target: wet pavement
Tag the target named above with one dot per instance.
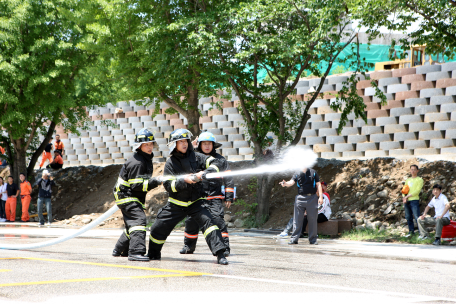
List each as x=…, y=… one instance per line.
x=261, y=269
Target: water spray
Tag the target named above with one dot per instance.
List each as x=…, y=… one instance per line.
x=292, y=160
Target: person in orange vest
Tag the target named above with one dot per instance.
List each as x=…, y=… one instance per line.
x=2, y=151
x=47, y=153
x=58, y=145
x=57, y=163
x=26, y=197
x=10, y=206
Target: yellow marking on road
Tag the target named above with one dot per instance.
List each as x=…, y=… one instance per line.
x=97, y=279
x=121, y=266
x=5, y=270
x=177, y=273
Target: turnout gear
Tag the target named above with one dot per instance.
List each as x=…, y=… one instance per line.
x=214, y=203
x=143, y=136
x=130, y=191
x=185, y=199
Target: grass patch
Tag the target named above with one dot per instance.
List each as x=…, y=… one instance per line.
x=384, y=236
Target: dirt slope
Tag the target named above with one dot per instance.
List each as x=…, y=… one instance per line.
x=364, y=191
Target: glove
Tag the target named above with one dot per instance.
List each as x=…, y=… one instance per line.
x=155, y=182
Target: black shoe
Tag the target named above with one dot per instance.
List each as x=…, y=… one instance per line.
x=292, y=243
x=155, y=258
x=117, y=253
x=138, y=258
x=186, y=250
x=221, y=259
x=227, y=253
x=436, y=242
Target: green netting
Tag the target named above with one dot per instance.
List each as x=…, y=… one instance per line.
x=371, y=54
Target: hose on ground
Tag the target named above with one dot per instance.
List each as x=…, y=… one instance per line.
x=64, y=238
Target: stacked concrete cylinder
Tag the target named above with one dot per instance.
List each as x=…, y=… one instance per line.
x=419, y=118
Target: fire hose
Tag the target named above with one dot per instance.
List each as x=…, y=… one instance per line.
x=64, y=238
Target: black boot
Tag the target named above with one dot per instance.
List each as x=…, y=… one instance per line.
x=186, y=250
x=227, y=253
x=117, y=253
x=221, y=258
x=138, y=258
x=155, y=257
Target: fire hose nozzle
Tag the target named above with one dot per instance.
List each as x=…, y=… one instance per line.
x=195, y=178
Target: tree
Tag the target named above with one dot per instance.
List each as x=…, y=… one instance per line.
x=146, y=44
x=285, y=38
x=44, y=74
x=435, y=23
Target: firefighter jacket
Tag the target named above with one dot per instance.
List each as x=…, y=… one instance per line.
x=135, y=179
x=178, y=165
x=213, y=187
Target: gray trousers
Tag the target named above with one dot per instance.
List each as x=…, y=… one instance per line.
x=302, y=204
x=430, y=221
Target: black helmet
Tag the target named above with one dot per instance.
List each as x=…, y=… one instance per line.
x=143, y=136
x=177, y=135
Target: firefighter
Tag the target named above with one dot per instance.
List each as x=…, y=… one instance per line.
x=183, y=172
x=134, y=181
x=207, y=144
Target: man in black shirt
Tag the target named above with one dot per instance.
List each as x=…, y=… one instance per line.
x=309, y=185
x=10, y=207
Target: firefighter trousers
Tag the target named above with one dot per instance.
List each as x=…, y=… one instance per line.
x=133, y=239
x=215, y=208
x=171, y=214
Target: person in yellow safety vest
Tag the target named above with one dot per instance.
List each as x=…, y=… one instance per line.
x=134, y=181
x=411, y=198
x=183, y=173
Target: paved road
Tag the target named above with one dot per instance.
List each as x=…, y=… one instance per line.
x=262, y=269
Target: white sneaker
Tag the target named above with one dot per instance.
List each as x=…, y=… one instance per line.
x=409, y=235
x=422, y=237
x=282, y=235
x=48, y=224
x=2, y=220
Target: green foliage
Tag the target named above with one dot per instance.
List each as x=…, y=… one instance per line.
x=375, y=235
x=146, y=45
x=434, y=23
x=246, y=206
x=46, y=70
x=339, y=70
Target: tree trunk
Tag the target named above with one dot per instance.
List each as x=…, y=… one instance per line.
x=193, y=113
x=20, y=154
x=40, y=149
x=264, y=187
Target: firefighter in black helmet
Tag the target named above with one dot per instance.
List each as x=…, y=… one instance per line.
x=135, y=180
x=207, y=145
x=183, y=172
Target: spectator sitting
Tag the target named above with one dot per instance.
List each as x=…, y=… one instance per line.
x=324, y=213
x=441, y=218
x=57, y=163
